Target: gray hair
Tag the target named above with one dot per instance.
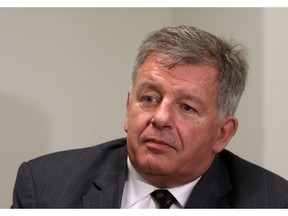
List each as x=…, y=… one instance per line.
x=189, y=45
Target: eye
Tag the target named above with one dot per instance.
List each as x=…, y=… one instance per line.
x=188, y=109
x=149, y=100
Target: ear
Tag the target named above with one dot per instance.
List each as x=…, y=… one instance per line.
x=127, y=111
x=227, y=130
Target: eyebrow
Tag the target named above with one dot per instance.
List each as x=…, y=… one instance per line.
x=148, y=85
x=192, y=98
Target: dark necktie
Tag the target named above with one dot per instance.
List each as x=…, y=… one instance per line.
x=164, y=198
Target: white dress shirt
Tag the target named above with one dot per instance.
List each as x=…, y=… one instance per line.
x=137, y=191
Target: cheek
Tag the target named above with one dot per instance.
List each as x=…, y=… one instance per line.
x=196, y=137
x=188, y=130
x=126, y=124
x=130, y=118
x=135, y=124
x=135, y=121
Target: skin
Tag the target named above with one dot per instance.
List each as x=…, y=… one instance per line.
x=171, y=122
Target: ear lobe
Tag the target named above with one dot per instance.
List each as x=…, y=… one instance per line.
x=127, y=110
x=226, y=132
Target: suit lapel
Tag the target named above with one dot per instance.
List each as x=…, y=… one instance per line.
x=107, y=188
x=213, y=189
x=109, y=197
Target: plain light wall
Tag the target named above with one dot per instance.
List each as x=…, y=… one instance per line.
x=275, y=84
x=65, y=74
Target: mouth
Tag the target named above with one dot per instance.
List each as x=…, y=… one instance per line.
x=158, y=141
x=158, y=145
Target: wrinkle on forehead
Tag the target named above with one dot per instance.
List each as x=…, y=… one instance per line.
x=200, y=75
x=152, y=63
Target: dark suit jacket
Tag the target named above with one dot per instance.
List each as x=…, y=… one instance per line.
x=94, y=178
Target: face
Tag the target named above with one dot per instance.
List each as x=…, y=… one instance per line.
x=172, y=129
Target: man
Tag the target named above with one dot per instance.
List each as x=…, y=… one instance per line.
x=186, y=86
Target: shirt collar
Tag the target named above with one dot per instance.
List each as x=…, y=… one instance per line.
x=138, y=188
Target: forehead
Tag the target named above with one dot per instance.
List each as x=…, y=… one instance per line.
x=180, y=76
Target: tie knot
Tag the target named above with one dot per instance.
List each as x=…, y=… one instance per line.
x=163, y=197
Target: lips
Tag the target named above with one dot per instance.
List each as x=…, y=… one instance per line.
x=158, y=141
x=158, y=144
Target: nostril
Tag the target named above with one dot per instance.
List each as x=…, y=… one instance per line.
x=154, y=125
x=153, y=122
x=159, y=124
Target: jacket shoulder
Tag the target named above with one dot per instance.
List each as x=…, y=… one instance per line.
x=61, y=179
x=81, y=155
x=254, y=186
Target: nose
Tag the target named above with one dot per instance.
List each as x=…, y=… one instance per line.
x=162, y=118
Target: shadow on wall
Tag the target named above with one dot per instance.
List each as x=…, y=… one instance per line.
x=24, y=134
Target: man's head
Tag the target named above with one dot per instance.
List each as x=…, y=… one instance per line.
x=186, y=86
x=189, y=45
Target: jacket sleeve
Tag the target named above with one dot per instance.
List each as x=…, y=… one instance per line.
x=24, y=191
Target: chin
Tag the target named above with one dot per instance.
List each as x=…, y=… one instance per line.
x=157, y=168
